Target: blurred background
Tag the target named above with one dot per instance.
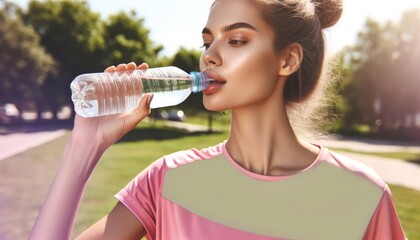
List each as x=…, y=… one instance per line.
x=372, y=101
x=46, y=44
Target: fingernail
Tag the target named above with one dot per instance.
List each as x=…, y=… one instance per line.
x=150, y=99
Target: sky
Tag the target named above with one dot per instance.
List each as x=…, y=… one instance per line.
x=176, y=23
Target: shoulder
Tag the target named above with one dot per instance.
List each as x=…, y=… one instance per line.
x=354, y=167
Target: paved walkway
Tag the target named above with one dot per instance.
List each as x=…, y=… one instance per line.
x=12, y=143
x=367, y=145
x=393, y=171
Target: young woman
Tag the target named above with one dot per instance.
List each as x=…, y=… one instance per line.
x=263, y=182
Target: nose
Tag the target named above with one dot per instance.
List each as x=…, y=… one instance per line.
x=211, y=56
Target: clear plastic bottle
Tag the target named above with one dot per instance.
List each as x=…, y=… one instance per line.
x=97, y=94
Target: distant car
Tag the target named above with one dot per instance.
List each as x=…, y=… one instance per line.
x=160, y=114
x=9, y=113
x=172, y=115
x=176, y=115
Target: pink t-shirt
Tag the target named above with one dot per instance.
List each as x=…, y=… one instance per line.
x=204, y=194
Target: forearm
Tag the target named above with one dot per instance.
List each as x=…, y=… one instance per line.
x=57, y=215
x=90, y=138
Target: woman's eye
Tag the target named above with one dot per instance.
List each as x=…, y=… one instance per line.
x=237, y=43
x=205, y=46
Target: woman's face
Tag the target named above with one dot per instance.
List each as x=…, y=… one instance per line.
x=239, y=53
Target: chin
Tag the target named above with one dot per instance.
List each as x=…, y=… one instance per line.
x=214, y=106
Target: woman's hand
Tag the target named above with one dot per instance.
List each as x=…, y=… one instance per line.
x=106, y=130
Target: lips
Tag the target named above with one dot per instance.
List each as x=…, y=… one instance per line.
x=215, y=84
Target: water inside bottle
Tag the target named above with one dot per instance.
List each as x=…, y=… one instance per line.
x=163, y=99
x=167, y=92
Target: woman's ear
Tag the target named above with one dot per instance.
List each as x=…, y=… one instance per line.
x=291, y=58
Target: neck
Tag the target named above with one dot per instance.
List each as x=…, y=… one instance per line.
x=263, y=141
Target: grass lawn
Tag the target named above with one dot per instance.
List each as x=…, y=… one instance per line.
x=407, y=202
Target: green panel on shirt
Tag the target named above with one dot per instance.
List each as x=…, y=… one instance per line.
x=324, y=202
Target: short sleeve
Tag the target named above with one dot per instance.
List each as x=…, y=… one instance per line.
x=141, y=194
x=385, y=224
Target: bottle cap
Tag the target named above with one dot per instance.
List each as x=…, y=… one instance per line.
x=200, y=81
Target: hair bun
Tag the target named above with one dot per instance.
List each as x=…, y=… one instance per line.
x=328, y=11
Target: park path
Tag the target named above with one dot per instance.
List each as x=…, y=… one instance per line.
x=14, y=142
x=367, y=145
x=393, y=171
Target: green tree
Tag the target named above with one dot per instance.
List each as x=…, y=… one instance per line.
x=81, y=42
x=24, y=64
x=72, y=34
x=384, y=82
x=127, y=39
x=404, y=71
x=366, y=58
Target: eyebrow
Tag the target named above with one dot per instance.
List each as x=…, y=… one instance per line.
x=231, y=27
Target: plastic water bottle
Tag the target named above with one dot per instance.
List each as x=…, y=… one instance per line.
x=97, y=94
